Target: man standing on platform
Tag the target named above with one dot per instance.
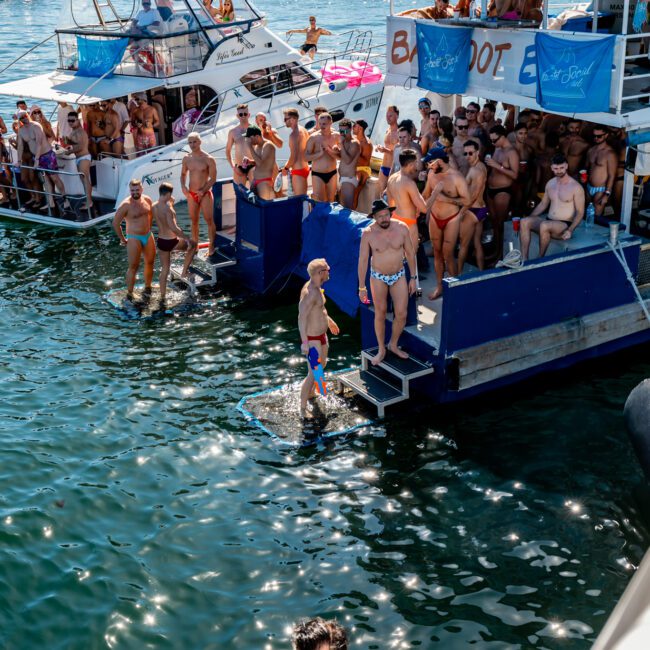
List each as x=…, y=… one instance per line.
x=202, y=170
x=386, y=243
x=313, y=324
x=263, y=153
x=602, y=163
x=136, y=211
x=297, y=164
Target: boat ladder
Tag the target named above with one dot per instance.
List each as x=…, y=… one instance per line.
x=204, y=269
x=385, y=384
x=99, y=9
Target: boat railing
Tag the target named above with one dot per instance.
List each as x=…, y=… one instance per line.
x=634, y=84
x=346, y=43
x=75, y=199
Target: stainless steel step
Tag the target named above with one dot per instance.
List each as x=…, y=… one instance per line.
x=372, y=388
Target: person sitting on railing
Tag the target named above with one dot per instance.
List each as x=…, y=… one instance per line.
x=77, y=143
x=440, y=10
x=148, y=21
x=313, y=33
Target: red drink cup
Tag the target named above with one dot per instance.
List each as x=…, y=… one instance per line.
x=583, y=176
x=515, y=224
x=523, y=165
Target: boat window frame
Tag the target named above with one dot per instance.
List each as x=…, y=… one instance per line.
x=272, y=86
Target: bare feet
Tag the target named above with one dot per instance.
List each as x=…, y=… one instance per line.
x=400, y=353
x=435, y=294
x=379, y=357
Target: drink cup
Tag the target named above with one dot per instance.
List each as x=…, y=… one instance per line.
x=515, y=224
x=613, y=232
x=487, y=157
x=583, y=176
x=523, y=165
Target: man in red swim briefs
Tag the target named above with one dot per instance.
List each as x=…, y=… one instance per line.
x=448, y=195
x=313, y=323
x=202, y=170
x=297, y=145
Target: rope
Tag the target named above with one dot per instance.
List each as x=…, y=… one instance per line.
x=512, y=260
x=620, y=256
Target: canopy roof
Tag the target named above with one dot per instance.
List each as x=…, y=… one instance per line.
x=66, y=87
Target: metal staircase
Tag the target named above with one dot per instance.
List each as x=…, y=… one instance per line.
x=386, y=383
x=203, y=268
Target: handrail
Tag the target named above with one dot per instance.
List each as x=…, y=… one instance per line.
x=24, y=54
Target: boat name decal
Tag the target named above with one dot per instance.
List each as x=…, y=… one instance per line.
x=372, y=101
x=234, y=52
x=155, y=180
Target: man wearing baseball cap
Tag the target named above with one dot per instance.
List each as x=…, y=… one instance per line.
x=386, y=243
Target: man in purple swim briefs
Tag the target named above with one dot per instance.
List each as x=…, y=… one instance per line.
x=471, y=227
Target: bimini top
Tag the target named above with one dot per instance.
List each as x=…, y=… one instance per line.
x=75, y=89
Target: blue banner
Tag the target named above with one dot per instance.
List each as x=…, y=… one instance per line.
x=443, y=57
x=97, y=57
x=574, y=76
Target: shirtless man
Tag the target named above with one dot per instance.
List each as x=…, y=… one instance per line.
x=390, y=142
x=574, y=147
x=114, y=142
x=429, y=139
x=487, y=117
x=523, y=188
x=503, y=169
x=386, y=243
x=424, y=106
x=96, y=122
x=297, y=163
x=321, y=153
x=602, y=164
x=348, y=152
x=170, y=237
x=268, y=132
x=365, y=153
x=263, y=153
x=78, y=145
x=202, y=169
x=475, y=130
x=313, y=323
x=471, y=226
x=566, y=199
x=136, y=211
x=146, y=120
x=240, y=173
x=460, y=140
x=313, y=33
x=29, y=138
x=403, y=194
x=448, y=195
x=404, y=141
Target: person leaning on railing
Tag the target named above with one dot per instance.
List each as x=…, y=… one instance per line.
x=440, y=10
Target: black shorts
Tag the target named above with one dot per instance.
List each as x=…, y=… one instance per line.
x=167, y=245
x=306, y=47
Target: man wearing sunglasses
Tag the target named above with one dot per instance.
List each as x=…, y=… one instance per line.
x=241, y=166
x=313, y=33
x=458, y=148
x=602, y=164
x=147, y=22
x=471, y=225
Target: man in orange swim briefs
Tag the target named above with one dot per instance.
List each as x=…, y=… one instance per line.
x=297, y=163
x=403, y=194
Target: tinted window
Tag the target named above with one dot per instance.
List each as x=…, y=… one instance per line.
x=277, y=79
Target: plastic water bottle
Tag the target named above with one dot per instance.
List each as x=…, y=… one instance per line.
x=590, y=215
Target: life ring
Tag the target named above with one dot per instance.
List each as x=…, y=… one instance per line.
x=154, y=65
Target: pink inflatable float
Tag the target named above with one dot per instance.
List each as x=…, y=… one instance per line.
x=356, y=73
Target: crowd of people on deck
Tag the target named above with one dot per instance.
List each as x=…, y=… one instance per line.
x=501, y=9
x=37, y=151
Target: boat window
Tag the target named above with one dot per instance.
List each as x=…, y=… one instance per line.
x=277, y=79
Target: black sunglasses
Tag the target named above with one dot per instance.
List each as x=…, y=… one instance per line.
x=462, y=126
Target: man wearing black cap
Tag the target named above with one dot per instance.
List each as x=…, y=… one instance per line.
x=386, y=242
x=448, y=195
x=263, y=153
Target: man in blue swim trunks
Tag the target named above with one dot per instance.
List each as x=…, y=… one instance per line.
x=386, y=243
x=136, y=211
